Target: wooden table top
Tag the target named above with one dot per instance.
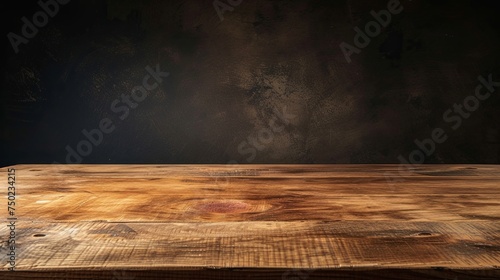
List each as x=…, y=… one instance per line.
x=254, y=221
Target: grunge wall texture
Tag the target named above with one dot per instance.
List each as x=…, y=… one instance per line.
x=229, y=78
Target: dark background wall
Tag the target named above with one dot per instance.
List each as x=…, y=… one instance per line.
x=228, y=77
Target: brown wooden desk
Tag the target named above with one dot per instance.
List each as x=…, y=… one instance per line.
x=289, y=222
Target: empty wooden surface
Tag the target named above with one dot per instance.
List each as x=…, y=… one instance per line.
x=255, y=222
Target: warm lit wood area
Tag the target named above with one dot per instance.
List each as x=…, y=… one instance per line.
x=289, y=222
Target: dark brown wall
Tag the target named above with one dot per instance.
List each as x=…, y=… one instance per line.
x=228, y=78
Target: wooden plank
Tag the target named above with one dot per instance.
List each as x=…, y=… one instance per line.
x=266, y=221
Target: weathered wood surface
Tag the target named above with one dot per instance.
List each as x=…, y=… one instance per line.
x=255, y=222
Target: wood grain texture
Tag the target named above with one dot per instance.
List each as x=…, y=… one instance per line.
x=256, y=222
